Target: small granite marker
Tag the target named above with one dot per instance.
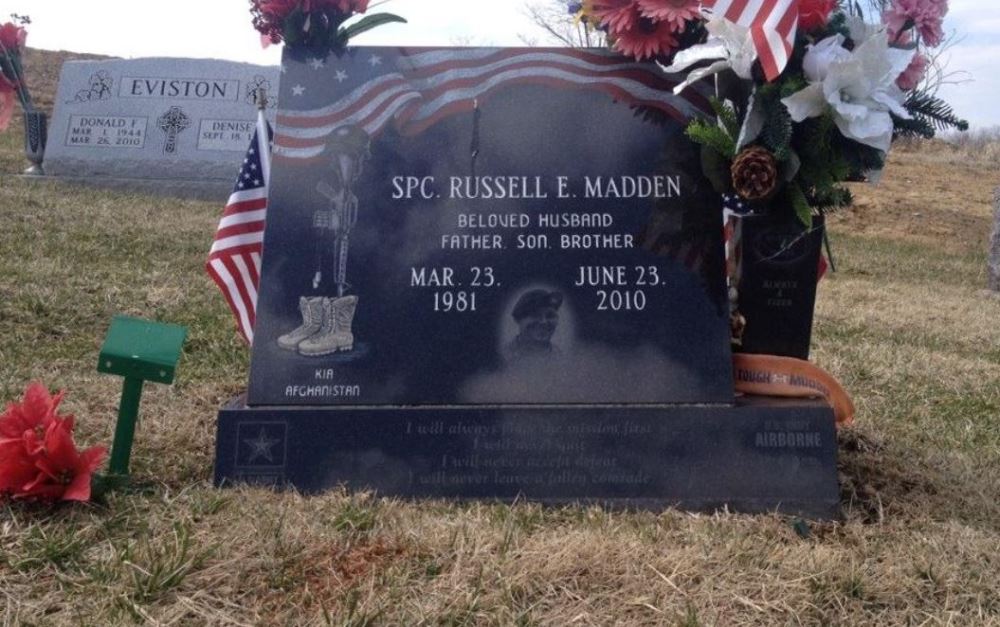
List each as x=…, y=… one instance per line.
x=993, y=264
x=176, y=126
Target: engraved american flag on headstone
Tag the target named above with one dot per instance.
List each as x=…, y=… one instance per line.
x=420, y=87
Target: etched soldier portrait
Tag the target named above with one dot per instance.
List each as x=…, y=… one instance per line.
x=328, y=312
x=536, y=315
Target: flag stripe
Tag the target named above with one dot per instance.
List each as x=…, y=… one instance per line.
x=242, y=218
x=219, y=272
x=772, y=23
x=234, y=259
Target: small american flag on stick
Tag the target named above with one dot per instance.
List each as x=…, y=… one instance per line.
x=234, y=262
x=772, y=23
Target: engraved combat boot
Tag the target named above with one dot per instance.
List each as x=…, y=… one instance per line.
x=344, y=309
x=336, y=334
x=312, y=323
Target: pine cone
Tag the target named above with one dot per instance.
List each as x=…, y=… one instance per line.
x=755, y=173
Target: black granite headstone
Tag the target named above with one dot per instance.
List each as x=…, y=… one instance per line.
x=778, y=285
x=498, y=272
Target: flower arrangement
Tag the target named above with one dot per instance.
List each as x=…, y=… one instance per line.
x=314, y=24
x=38, y=458
x=12, y=39
x=644, y=29
x=800, y=110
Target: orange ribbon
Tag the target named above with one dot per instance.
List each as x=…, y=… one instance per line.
x=767, y=375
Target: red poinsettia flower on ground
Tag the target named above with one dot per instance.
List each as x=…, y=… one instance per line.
x=12, y=36
x=62, y=472
x=38, y=458
x=815, y=14
x=33, y=414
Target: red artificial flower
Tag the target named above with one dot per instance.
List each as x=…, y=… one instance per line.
x=617, y=16
x=12, y=36
x=677, y=12
x=38, y=459
x=814, y=14
x=17, y=469
x=33, y=415
x=22, y=432
x=280, y=9
x=277, y=9
x=350, y=6
x=269, y=15
x=61, y=472
x=647, y=39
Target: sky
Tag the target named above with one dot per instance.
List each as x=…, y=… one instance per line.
x=221, y=29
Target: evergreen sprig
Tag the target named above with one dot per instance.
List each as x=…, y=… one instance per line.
x=777, y=132
x=726, y=114
x=929, y=115
x=825, y=163
x=713, y=137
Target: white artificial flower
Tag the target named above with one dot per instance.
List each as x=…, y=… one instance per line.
x=858, y=88
x=819, y=57
x=729, y=45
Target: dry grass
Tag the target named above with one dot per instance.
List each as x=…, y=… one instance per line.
x=902, y=324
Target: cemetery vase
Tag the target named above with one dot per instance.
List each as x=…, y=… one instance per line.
x=35, y=135
x=777, y=287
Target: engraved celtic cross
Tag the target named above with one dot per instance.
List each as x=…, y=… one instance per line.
x=173, y=122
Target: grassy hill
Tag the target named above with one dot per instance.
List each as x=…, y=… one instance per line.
x=903, y=325
x=42, y=69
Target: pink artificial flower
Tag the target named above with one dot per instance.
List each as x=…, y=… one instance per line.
x=926, y=16
x=12, y=36
x=617, y=16
x=911, y=77
x=675, y=12
x=647, y=39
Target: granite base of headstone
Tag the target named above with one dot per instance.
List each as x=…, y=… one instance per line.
x=756, y=456
x=168, y=126
x=498, y=274
x=184, y=189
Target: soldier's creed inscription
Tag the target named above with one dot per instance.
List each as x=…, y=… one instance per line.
x=487, y=227
x=498, y=273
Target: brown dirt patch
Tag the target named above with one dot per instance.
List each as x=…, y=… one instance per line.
x=931, y=194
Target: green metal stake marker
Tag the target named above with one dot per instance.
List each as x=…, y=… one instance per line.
x=139, y=351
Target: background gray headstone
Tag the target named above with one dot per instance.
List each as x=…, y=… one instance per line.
x=994, y=258
x=180, y=126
